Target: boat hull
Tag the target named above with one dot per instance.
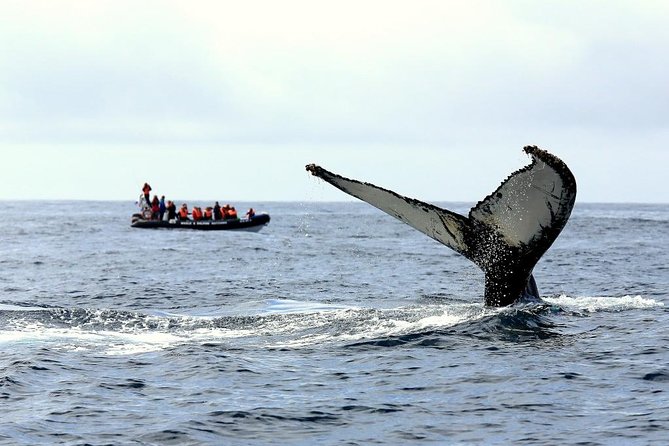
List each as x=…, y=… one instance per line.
x=253, y=224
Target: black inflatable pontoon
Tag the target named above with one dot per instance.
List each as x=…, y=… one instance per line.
x=252, y=224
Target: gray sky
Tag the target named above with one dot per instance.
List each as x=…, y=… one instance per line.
x=229, y=100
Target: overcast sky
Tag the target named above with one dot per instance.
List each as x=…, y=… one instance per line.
x=230, y=99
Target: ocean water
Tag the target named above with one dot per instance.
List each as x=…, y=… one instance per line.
x=335, y=324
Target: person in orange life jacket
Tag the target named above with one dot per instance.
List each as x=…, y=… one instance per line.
x=217, y=211
x=155, y=207
x=196, y=214
x=171, y=210
x=146, y=190
x=183, y=212
x=232, y=213
x=250, y=213
x=225, y=211
x=208, y=213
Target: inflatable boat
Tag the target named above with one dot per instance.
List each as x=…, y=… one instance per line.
x=253, y=224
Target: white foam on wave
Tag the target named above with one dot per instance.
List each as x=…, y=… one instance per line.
x=595, y=304
x=365, y=324
x=294, y=324
x=77, y=339
x=280, y=323
x=288, y=306
x=141, y=342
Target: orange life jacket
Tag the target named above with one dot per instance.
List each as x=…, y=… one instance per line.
x=208, y=213
x=197, y=214
x=232, y=213
x=183, y=213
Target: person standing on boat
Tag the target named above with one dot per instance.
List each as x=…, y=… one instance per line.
x=155, y=207
x=171, y=210
x=146, y=190
x=217, y=211
x=161, y=208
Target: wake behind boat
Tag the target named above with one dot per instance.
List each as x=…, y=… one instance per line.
x=253, y=224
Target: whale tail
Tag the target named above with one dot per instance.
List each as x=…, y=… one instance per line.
x=505, y=234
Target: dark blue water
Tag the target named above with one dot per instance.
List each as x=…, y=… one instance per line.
x=336, y=324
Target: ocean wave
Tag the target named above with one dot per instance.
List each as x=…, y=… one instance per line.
x=598, y=304
x=294, y=324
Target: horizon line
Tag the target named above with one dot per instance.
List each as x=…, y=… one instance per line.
x=108, y=200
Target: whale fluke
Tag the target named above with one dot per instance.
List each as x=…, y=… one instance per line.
x=505, y=234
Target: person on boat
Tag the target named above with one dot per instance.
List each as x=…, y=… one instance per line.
x=217, y=212
x=225, y=212
x=183, y=212
x=250, y=213
x=232, y=213
x=161, y=208
x=208, y=213
x=196, y=214
x=146, y=190
x=155, y=207
x=171, y=210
